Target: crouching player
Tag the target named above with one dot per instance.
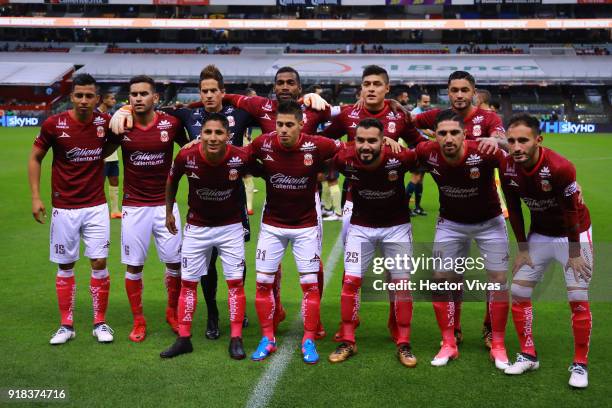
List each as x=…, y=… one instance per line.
x=214, y=170
x=379, y=216
x=560, y=230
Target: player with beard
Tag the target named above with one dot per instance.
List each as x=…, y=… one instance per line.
x=560, y=230
x=379, y=218
x=147, y=151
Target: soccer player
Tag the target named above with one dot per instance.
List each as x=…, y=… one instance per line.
x=111, y=163
x=147, y=156
x=214, y=170
x=249, y=183
x=379, y=217
x=465, y=179
x=483, y=99
x=291, y=160
x=416, y=182
x=77, y=138
x=560, y=230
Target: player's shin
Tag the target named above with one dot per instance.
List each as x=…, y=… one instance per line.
x=581, y=324
x=349, y=307
x=522, y=315
x=311, y=305
x=265, y=304
x=236, y=301
x=66, y=293
x=187, y=303
x=99, y=287
x=402, y=301
x=133, y=288
x=172, y=281
x=444, y=309
x=498, y=310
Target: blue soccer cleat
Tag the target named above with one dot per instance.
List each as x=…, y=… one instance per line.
x=264, y=349
x=309, y=350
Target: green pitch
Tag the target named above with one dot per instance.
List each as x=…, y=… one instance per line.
x=128, y=374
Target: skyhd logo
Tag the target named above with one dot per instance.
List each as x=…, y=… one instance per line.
x=567, y=127
x=17, y=121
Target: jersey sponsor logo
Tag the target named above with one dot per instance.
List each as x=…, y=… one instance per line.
x=77, y=154
x=231, y=121
x=546, y=186
x=164, y=124
x=211, y=194
x=433, y=159
x=476, y=131
x=99, y=120
x=308, y=147
x=100, y=132
x=126, y=139
x=376, y=194
x=571, y=189
x=459, y=192
x=545, y=172
x=235, y=161
x=477, y=119
x=474, y=173
x=233, y=175
x=308, y=159
x=190, y=163
x=392, y=163
x=391, y=127
x=64, y=134
x=268, y=158
x=473, y=159
x=147, y=159
x=284, y=182
x=392, y=176
x=163, y=136
x=61, y=124
x=540, y=205
x=513, y=183
x=193, y=176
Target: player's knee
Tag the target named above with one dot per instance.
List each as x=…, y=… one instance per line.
x=69, y=266
x=134, y=268
x=173, y=269
x=577, y=295
x=498, y=277
x=99, y=263
x=521, y=291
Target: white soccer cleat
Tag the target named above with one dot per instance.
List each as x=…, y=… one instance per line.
x=103, y=333
x=579, y=377
x=446, y=353
x=63, y=335
x=522, y=365
x=499, y=356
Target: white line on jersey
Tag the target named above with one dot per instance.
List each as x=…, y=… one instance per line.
x=264, y=390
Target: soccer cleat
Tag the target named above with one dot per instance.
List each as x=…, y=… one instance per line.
x=171, y=319
x=103, y=333
x=499, y=356
x=236, y=349
x=309, y=351
x=405, y=356
x=420, y=211
x=580, y=375
x=412, y=213
x=212, y=329
x=116, y=215
x=63, y=335
x=182, y=345
x=343, y=352
x=332, y=217
x=245, y=322
x=487, y=335
x=523, y=364
x=250, y=212
x=139, y=332
x=447, y=352
x=264, y=349
x=326, y=213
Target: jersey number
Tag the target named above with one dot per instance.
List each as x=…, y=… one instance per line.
x=261, y=255
x=352, y=257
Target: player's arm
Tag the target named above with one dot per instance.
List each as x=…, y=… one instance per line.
x=172, y=184
x=410, y=134
x=425, y=120
x=335, y=130
x=497, y=137
x=517, y=222
x=34, y=165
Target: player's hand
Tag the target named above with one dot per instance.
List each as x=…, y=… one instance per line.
x=395, y=146
x=192, y=143
x=522, y=258
x=580, y=268
x=488, y=145
x=171, y=224
x=315, y=102
x=429, y=133
x=38, y=210
x=122, y=120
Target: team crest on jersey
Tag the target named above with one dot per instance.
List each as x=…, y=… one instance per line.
x=354, y=114
x=473, y=159
x=61, y=124
x=308, y=147
x=163, y=136
x=476, y=131
x=100, y=131
x=392, y=175
x=478, y=119
x=235, y=161
x=190, y=163
x=231, y=121
x=474, y=173
x=391, y=127
x=99, y=120
x=545, y=172
x=433, y=159
x=546, y=186
x=233, y=174
x=392, y=163
x=267, y=146
x=308, y=159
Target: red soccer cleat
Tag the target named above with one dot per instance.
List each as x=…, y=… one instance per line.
x=139, y=332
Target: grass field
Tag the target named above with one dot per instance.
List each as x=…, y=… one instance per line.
x=128, y=374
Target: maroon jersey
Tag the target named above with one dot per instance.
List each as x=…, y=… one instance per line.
x=77, y=172
x=395, y=125
x=264, y=111
x=379, y=195
x=147, y=157
x=214, y=189
x=467, y=190
x=481, y=123
x=550, y=192
x=291, y=177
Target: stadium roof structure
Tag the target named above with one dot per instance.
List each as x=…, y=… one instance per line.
x=33, y=73
x=260, y=66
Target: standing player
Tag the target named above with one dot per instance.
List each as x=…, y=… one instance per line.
x=77, y=138
x=147, y=155
x=249, y=183
x=291, y=161
x=416, y=182
x=214, y=170
x=111, y=163
x=379, y=217
x=465, y=179
x=560, y=230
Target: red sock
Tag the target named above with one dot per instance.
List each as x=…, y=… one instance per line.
x=187, y=302
x=236, y=302
x=391, y=321
x=457, y=317
x=522, y=314
x=349, y=306
x=173, y=288
x=66, y=291
x=445, y=315
x=402, y=309
x=487, y=316
x=99, y=289
x=498, y=309
x=277, y=289
x=265, y=306
x=581, y=326
x=311, y=310
x=320, y=279
x=134, y=293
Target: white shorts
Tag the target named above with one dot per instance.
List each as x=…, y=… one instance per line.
x=69, y=225
x=347, y=213
x=273, y=241
x=137, y=226
x=198, y=244
x=544, y=249
x=361, y=243
x=453, y=239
